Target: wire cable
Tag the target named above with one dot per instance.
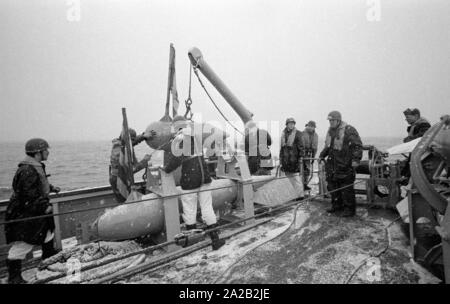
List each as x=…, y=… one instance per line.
x=215, y=105
x=376, y=255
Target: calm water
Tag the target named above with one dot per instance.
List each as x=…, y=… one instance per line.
x=76, y=165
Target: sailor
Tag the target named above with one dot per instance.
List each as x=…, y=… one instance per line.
x=343, y=150
x=257, y=149
x=417, y=125
x=310, y=142
x=291, y=152
x=186, y=151
x=29, y=199
x=115, y=164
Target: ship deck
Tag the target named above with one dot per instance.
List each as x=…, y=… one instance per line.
x=309, y=246
x=301, y=245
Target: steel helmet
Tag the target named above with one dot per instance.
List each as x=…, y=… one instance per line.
x=35, y=145
x=290, y=119
x=334, y=115
x=311, y=124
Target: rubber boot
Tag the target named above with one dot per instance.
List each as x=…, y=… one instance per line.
x=336, y=204
x=191, y=227
x=216, y=241
x=334, y=209
x=348, y=212
x=48, y=250
x=15, y=272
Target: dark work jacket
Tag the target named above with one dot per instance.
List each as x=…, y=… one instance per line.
x=29, y=199
x=417, y=129
x=257, y=149
x=339, y=162
x=194, y=171
x=290, y=155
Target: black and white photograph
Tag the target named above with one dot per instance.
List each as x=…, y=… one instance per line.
x=224, y=147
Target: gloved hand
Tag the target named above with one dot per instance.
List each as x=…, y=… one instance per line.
x=140, y=138
x=55, y=189
x=49, y=209
x=147, y=157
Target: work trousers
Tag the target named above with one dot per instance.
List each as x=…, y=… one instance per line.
x=307, y=168
x=190, y=201
x=20, y=249
x=345, y=197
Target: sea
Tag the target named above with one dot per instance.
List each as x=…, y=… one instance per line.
x=85, y=164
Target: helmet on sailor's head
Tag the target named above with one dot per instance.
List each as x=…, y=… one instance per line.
x=290, y=119
x=334, y=115
x=36, y=145
x=311, y=124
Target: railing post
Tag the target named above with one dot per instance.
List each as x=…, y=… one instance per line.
x=57, y=238
x=322, y=188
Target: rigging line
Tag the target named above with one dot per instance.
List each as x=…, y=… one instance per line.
x=215, y=105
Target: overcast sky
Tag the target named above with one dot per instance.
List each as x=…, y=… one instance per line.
x=63, y=79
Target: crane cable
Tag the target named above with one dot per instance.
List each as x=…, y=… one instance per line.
x=215, y=105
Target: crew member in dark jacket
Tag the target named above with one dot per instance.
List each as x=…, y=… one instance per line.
x=417, y=128
x=310, y=142
x=291, y=148
x=29, y=199
x=291, y=151
x=194, y=176
x=343, y=149
x=417, y=125
x=257, y=149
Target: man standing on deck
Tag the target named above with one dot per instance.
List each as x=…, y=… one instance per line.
x=187, y=152
x=343, y=150
x=291, y=151
x=310, y=142
x=29, y=199
x=115, y=163
x=417, y=125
